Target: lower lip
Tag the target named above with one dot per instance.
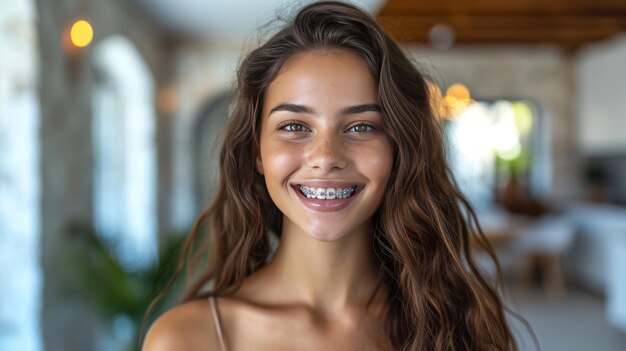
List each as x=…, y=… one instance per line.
x=325, y=205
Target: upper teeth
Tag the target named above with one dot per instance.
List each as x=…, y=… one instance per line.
x=327, y=193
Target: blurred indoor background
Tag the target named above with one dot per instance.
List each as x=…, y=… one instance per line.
x=110, y=113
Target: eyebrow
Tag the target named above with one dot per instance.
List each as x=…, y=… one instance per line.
x=350, y=110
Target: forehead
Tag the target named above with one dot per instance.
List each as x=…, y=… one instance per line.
x=321, y=77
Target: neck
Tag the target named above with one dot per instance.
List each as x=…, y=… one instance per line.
x=327, y=276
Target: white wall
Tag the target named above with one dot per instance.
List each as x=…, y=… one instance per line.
x=601, y=70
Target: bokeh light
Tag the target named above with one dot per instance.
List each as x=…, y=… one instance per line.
x=460, y=92
x=506, y=136
x=81, y=33
x=457, y=99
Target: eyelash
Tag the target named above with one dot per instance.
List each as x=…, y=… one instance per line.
x=284, y=124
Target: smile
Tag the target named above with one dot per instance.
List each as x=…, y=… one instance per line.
x=327, y=199
x=327, y=193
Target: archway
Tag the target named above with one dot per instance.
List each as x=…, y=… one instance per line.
x=124, y=151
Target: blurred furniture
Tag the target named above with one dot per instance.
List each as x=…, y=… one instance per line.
x=500, y=229
x=597, y=259
x=543, y=244
x=616, y=289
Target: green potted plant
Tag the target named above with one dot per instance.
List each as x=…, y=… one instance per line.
x=119, y=294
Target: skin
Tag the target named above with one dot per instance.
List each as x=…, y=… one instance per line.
x=313, y=294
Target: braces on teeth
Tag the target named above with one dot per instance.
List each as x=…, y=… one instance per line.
x=327, y=194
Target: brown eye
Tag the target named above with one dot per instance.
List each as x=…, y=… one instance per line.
x=361, y=128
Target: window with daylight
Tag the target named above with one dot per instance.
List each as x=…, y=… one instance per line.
x=495, y=143
x=124, y=152
x=20, y=272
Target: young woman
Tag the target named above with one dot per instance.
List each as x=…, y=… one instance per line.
x=336, y=225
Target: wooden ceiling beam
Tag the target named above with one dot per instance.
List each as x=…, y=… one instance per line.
x=529, y=7
x=508, y=36
x=513, y=23
x=568, y=23
x=569, y=34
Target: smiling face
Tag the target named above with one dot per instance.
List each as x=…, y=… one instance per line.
x=324, y=155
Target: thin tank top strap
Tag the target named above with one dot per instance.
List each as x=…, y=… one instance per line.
x=216, y=321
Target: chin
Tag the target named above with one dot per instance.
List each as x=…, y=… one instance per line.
x=325, y=234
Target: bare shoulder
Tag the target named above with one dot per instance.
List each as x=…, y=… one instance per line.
x=188, y=326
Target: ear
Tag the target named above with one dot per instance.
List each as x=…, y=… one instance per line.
x=259, y=165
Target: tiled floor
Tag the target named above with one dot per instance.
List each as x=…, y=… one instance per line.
x=575, y=322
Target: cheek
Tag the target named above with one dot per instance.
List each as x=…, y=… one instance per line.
x=280, y=160
x=378, y=162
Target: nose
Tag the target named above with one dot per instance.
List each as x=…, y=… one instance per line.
x=326, y=153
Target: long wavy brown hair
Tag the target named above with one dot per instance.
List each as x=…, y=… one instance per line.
x=422, y=231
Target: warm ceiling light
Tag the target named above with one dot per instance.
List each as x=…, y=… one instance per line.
x=452, y=102
x=456, y=100
x=460, y=92
x=81, y=33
